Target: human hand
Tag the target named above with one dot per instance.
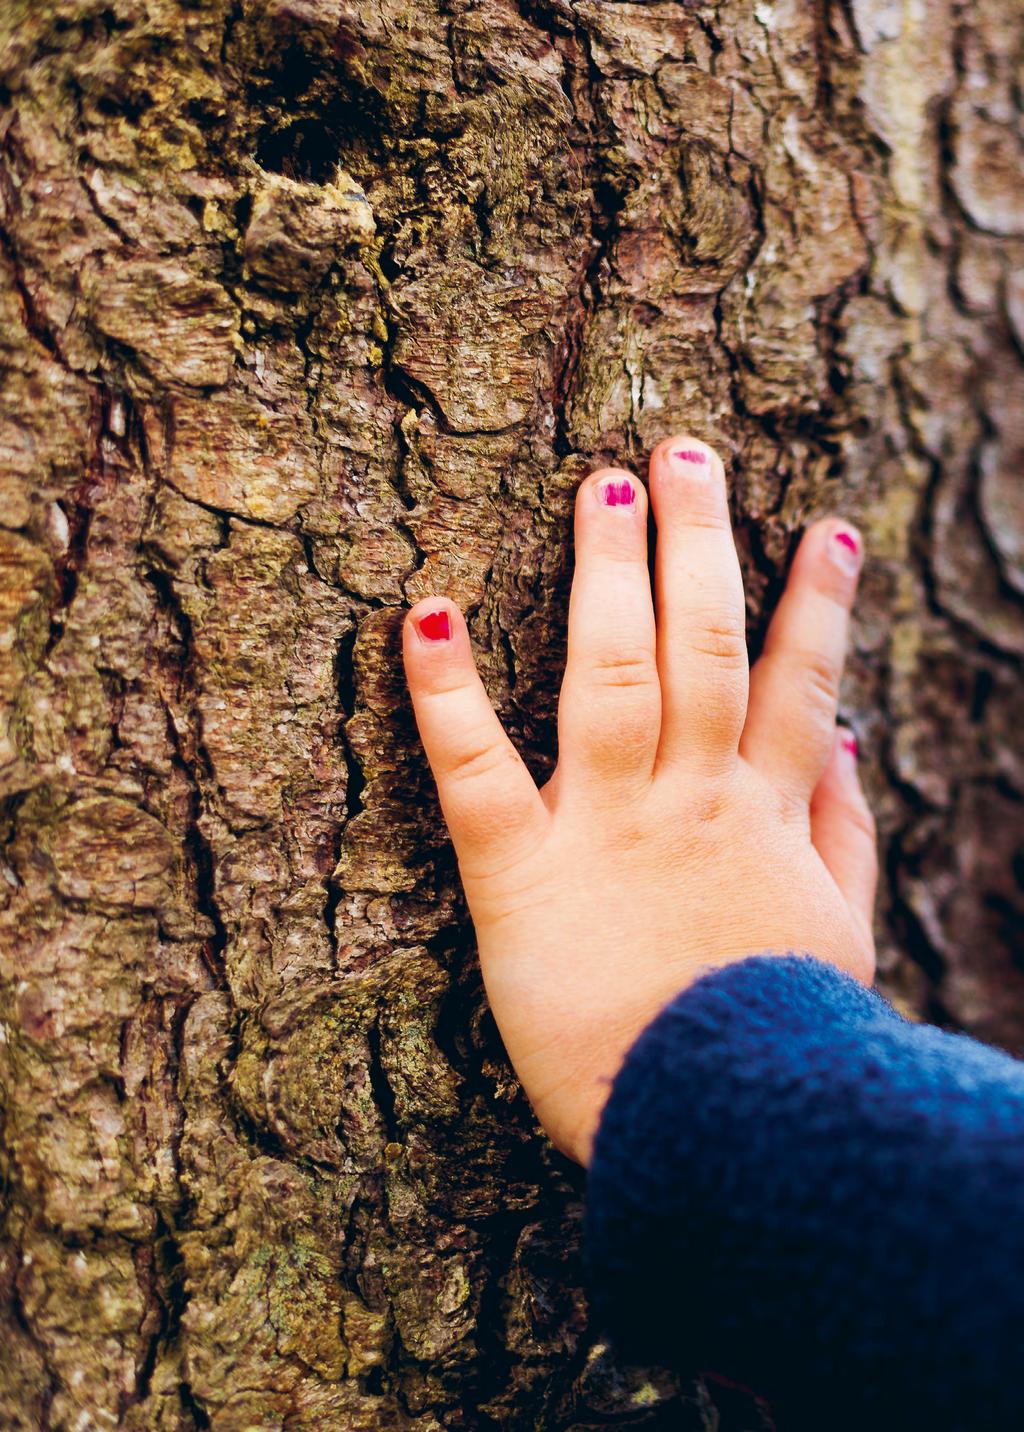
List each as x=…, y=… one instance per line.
x=698, y=813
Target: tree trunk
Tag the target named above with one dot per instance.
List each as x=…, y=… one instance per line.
x=309, y=308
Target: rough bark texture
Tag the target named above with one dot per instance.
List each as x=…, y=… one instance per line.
x=309, y=308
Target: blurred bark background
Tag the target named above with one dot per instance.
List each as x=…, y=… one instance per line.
x=309, y=308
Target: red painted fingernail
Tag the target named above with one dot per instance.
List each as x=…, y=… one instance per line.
x=849, y=744
x=845, y=550
x=435, y=626
x=617, y=492
x=693, y=455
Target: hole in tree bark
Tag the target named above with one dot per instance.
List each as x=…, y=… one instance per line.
x=321, y=119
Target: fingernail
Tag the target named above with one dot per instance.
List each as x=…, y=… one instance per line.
x=435, y=626
x=690, y=457
x=844, y=547
x=848, y=741
x=617, y=492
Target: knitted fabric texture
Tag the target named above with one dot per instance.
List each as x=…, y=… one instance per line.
x=795, y=1187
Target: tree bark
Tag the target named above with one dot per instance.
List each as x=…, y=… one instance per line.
x=309, y=308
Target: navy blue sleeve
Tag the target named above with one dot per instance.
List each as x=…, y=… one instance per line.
x=794, y=1187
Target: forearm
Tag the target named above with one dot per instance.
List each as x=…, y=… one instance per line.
x=795, y=1187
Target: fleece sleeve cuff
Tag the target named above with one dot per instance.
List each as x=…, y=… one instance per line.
x=795, y=1187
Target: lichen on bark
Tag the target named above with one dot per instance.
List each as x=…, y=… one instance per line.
x=309, y=308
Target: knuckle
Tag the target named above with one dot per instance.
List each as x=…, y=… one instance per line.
x=619, y=549
x=820, y=675
x=710, y=804
x=862, y=820
x=722, y=639
x=618, y=732
x=445, y=686
x=711, y=516
x=493, y=851
x=623, y=668
x=475, y=762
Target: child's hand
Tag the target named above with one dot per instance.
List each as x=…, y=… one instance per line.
x=689, y=823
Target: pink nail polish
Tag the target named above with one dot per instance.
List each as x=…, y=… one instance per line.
x=845, y=550
x=435, y=626
x=691, y=455
x=617, y=492
x=849, y=744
